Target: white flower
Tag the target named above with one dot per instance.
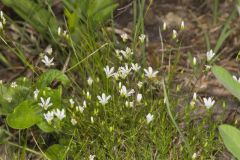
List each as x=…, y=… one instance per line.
x=149, y=117
x=80, y=108
x=194, y=61
x=90, y=81
x=194, y=156
x=174, y=34
x=49, y=116
x=142, y=38
x=45, y=104
x=49, y=50
x=194, y=96
x=9, y=99
x=124, y=71
x=135, y=67
x=129, y=104
x=139, y=97
x=140, y=84
x=48, y=62
x=88, y=95
x=123, y=91
x=208, y=102
x=71, y=101
x=109, y=71
x=124, y=37
x=91, y=157
x=13, y=84
x=182, y=25
x=59, y=31
x=92, y=120
x=104, y=99
x=236, y=79
x=127, y=53
x=208, y=67
x=118, y=54
x=60, y=114
x=73, y=121
x=210, y=54
x=35, y=94
x=164, y=26
x=150, y=73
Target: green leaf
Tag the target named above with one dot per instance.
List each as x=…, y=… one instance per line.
x=45, y=127
x=48, y=77
x=56, y=152
x=231, y=139
x=226, y=79
x=24, y=115
x=35, y=14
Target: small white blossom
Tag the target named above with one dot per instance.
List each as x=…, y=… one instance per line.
x=35, y=94
x=80, y=108
x=142, y=38
x=88, y=95
x=124, y=37
x=71, y=101
x=49, y=50
x=182, y=25
x=208, y=102
x=123, y=91
x=139, y=97
x=208, y=67
x=118, y=54
x=9, y=99
x=90, y=81
x=150, y=73
x=194, y=61
x=13, y=84
x=47, y=61
x=45, y=104
x=59, y=31
x=60, y=114
x=149, y=117
x=140, y=84
x=109, y=71
x=124, y=71
x=194, y=156
x=210, y=54
x=104, y=99
x=129, y=104
x=236, y=79
x=73, y=121
x=92, y=120
x=91, y=157
x=135, y=67
x=174, y=34
x=49, y=116
x=164, y=26
x=127, y=53
x=194, y=96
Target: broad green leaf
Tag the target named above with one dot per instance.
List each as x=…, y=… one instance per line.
x=24, y=115
x=48, y=77
x=226, y=79
x=45, y=127
x=231, y=139
x=56, y=152
x=11, y=97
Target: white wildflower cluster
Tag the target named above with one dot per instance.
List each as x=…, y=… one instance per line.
x=62, y=33
x=127, y=53
x=2, y=20
x=49, y=116
x=46, y=103
x=208, y=102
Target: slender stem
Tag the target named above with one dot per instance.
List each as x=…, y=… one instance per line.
x=27, y=149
